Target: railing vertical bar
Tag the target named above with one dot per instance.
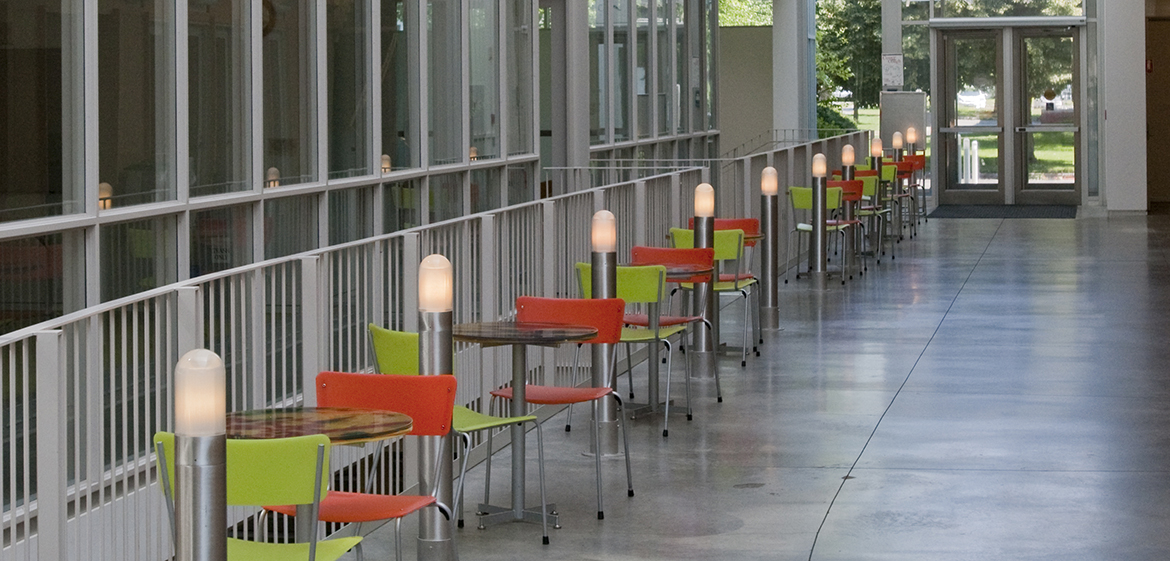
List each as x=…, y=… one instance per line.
x=311, y=325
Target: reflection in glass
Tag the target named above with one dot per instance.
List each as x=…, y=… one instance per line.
x=32, y=281
x=1051, y=159
x=975, y=81
x=290, y=226
x=221, y=238
x=350, y=129
x=683, y=62
x=1048, y=75
x=290, y=102
x=518, y=79
x=445, y=95
x=136, y=101
x=520, y=188
x=485, y=78
x=137, y=256
x=398, y=135
x=663, y=95
x=1000, y=8
x=403, y=204
x=220, y=79
x=977, y=161
x=642, y=75
x=446, y=197
x=599, y=70
x=351, y=215
x=40, y=165
x=485, y=190
x=621, y=60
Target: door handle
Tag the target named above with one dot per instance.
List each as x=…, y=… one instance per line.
x=1021, y=129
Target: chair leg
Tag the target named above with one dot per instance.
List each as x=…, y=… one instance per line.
x=629, y=371
x=625, y=445
x=540, y=465
x=666, y=414
x=462, y=476
x=597, y=457
x=746, y=321
x=687, y=384
x=487, y=476
x=398, y=539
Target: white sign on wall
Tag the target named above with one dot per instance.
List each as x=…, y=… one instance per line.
x=892, y=71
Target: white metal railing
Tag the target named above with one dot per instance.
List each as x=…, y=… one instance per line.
x=84, y=393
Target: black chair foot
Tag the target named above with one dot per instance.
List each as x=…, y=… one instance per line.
x=568, y=428
x=785, y=281
x=546, y=540
x=720, y=399
x=665, y=433
x=690, y=417
x=460, y=524
x=600, y=515
x=630, y=492
x=631, y=395
x=743, y=363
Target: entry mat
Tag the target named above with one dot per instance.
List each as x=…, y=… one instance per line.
x=1003, y=211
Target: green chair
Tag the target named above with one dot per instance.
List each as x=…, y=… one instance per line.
x=265, y=472
x=396, y=352
x=642, y=285
x=728, y=247
x=800, y=199
x=878, y=216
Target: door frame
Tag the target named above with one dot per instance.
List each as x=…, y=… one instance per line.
x=945, y=111
x=1022, y=126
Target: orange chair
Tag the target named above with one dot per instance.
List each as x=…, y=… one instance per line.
x=428, y=400
x=901, y=193
x=604, y=314
x=851, y=193
x=916, y=184
x=705, y=257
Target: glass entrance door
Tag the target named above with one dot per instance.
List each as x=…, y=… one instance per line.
x=971, y=131
x=1009, y=125
x=1048, y=135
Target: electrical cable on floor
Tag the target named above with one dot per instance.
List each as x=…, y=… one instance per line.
x=849, y=474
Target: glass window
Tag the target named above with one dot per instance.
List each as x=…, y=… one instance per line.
x=136, y=102
x=519, y=76
x=290, y=226
x=642, y=74
x=221, y=238
x=350, y=130
x=137, y=256
x=999, y=8
x=403, y=204
x=621, y=60
x=38, y=96
x=446, y=197
x=399, y=150
x=290, y=98
x=485, y=190
x=445, y=25
x=599, y=70
x=220, y=80
x=915, y=10
x=485, y=79
x=711, y=13
x=663, y=38
x=351, y=215
x=520, y=187
x=683, y=62
x=916, y=57
x=35, y=285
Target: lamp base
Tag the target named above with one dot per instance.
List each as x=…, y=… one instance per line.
x=770, y=319
x=702, y=364
x=436, y=550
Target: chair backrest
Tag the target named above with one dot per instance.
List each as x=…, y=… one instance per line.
x=396, y=352
x=704, y=256
x=428, y=400
x=864, y=173
x=905, y=168
x=919, y=160
x=833, y=198
x=868, y=184
x=273, y=471
x=750, y=226
x=728, y=243
x=859, y=167
x=850, y=190
x=800, y=198
x=636, y=284
x=889, y=171
x=603, y=314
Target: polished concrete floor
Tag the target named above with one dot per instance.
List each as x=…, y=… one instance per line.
x=1001, y=390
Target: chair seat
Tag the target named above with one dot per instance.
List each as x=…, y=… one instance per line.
x=643, y=335
x=731, y=277
x=842, y=222
x=724, y=286
x=828, y=224
x=327, y=550
x=555, y=395
x=466, y=420
x=643, y=320
x=347, y=507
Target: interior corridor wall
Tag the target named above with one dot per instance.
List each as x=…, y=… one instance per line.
x=745, y=83
x=1123, y=103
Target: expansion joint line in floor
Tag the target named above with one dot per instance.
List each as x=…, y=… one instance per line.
x=849, y=474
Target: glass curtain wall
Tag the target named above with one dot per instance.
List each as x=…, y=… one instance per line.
x=350, y=129
x=642, y=77
x=399, y=46
x=664, y=87
x=445, y=81
x=219, y=93
x=137, y=256
x=290, y=92
x=620, y=17
x=682, y=64
x=136, y=102
x=484, y=37
x=599, y=42
x=40, y=130
x=518, y=76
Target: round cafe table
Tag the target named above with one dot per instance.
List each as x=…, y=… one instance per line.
x=519, y=335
